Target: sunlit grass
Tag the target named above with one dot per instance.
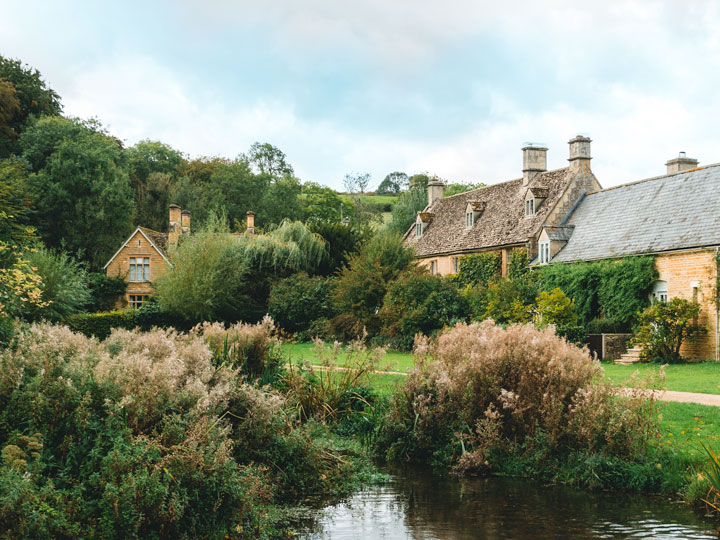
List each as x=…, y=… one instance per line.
x=703, y=377
x=307, y=353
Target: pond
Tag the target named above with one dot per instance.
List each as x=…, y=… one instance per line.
x=417, y=504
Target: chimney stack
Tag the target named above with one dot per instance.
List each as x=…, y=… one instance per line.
x=580, y=153
x=534, y=161
x=436, y=190
x=174, y=231
x=680, y=164
x=251, y=222
x=185, y=221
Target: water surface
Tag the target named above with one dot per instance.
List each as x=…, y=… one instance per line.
x=417, y=504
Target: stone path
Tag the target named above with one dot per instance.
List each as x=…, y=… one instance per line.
x=660, y=395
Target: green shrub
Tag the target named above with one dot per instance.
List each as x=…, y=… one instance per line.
x=104, y=291
x=607, y=326
x=518, y=264
x=510, y=300
x=296, y=301
x=100, y=325
x=418, y=303
x=556, y=308
x=664, y=327
x=479, y=269
x=64, y=285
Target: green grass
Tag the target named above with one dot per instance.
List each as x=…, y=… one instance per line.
x=381, y=199
x=703, y=377
x=683, y=426
x=306, y=352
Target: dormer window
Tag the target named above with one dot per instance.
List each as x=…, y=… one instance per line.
x=473, y=210
x=544, y=248
x=530, y=207
x=422, y=222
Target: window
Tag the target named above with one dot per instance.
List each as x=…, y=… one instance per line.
x=659, y=292
x=469, y=220
x=544, y=252
x=418, y=229
x=139, y=268
x=530, y=207
x=433, y=267
x=455, y=265
x=136, y=300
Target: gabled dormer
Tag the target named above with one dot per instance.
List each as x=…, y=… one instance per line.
x=422, y=221
x=473, y=211
x=534, y=198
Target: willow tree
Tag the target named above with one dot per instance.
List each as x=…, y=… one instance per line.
x=216, y=275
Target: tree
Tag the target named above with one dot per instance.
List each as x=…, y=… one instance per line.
x=323, y=204
x=33, y=96
x=454, y=189
x=200, y=170
x=9, y=111
x=365, y=213
x=393, y=183
x=356, y=183
x=664, y=326
x=405, y=209
x=268, y=159
x=84, y=202
x=342, y=241
x=419, y=181
x=281, y=201
x=15, y=203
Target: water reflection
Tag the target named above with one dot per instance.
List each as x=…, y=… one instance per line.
x=422, y=506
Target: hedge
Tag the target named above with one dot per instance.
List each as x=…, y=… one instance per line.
x=101, y=324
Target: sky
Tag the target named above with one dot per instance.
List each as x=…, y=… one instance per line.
x=452, y=88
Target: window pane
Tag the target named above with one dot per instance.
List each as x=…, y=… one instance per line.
x=146, y=275
x=132, y=272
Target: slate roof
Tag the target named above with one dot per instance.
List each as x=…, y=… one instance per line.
x=664, y=213
x=157, y=238
x=560, y=233
x=503, y=221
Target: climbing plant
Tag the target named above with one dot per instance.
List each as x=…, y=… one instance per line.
x=479, y=269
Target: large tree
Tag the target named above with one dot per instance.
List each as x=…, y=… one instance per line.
x=33, y=96
x=84, y=202
x=268, y=159
x=15, y=203
x=393, y=183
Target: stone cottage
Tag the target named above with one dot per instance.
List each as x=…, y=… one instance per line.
x=501, y=217
x=143, y=257
x=673, y=217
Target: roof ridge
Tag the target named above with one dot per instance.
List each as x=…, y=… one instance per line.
x=148, y=229
x=626, y=184
x=504, y=182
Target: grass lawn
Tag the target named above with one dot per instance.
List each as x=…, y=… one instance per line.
x=684, y=426
x=703, y=377
x=306, y=352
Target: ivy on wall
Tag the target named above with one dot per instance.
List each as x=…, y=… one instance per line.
x=611, y=289
x=479, y=269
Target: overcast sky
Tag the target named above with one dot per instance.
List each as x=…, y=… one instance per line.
x=453, y=88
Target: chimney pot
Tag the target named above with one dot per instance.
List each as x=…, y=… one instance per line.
x=534, y=161
x=680, y=164
x=436, y=190
x=250, y=222
x=580, y=153
x=174, y=230
x=185, y=221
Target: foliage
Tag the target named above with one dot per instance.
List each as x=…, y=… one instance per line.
x=145, y=436
x=298, y=300
x=664, y=326
x=83, y=196
x=405, y=209
x=15, y=202
x=393, y=183
x=364, y=212
x=101, y=324
x=323, y=204
x=556, y=308
x=616, y=289
x=454, y=189
x=64, y=285
x=482, y=392
x=362, y=285
x=418, y=303
x=20, y=285
x=479, y=269
x=270, y=160
x=27, y=96
x=104, y=291
x=341, y=241
x=712, y=477
x=518, y=264
x=606, y=326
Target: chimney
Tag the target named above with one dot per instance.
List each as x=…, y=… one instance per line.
x=251, y=222
x=436, y=189
x=534, y=161
x=174, y=231
x=680, y=164
x=579, y=153
x=185, y=222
